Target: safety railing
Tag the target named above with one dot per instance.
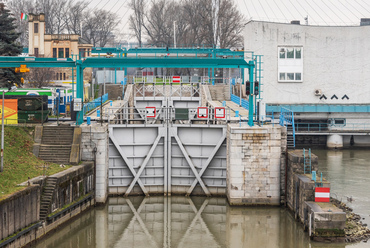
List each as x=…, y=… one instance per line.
x=236, y=99
x=154, y=115
x=287, y=117
x=95, y=103
x=325, y=127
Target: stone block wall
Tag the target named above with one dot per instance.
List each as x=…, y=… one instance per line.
x=73, y=183
x=94, y=146
x=19, y=210
x=253, y=164
x=296, y=167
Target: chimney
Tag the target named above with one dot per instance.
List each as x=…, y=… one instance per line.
x=295, y=22
x=365, y=21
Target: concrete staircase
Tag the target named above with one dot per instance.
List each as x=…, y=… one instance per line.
x=219, y=92
x=46, y=197
x=56, y=144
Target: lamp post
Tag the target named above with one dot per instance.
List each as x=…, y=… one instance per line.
x=13, y=88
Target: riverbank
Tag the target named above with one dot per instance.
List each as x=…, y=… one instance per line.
x=355, y=230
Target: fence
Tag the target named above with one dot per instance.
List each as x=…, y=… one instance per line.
x=95, y=103
x=236, y=99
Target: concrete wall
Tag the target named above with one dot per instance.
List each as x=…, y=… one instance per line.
x=333, y=61
x=95, y=138
x=72, y=184
x=19, y=210
x=253, y=165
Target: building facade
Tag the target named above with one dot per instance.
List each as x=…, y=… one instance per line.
x=56, y=46
x=319, y=72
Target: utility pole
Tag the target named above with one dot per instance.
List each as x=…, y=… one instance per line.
x=174, y=33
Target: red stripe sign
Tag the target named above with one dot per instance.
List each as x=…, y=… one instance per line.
x=322, y=194
x=176, y=79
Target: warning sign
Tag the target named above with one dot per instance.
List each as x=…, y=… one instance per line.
x=219, y=112
x=10, y=111
x=150, y=112
x=202, y=112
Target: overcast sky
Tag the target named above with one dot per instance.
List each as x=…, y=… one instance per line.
x=319, y=12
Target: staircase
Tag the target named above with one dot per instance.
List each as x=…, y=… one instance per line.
x=56, y=144
x=219, y=92
x=290, y=136
x=307, y=161
x=46, y=197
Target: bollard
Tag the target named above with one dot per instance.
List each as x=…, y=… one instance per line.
x=236, y=113
x=88, y=119
x=98, y=113
x=314, y=176
x=224, y=104
x=111, y=103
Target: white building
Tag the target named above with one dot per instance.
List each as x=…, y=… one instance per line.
x=322, y=73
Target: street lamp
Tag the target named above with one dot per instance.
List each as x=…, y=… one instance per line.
x=13, y=88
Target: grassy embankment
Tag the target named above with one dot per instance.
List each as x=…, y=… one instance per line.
x=19, y=161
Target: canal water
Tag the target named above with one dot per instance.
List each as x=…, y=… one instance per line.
x=210, y=222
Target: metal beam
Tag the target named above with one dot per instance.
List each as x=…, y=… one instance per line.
x=33, y=62
x=167, y=62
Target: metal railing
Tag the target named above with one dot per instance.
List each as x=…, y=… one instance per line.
x=236, y=99
x=325, y=127
x=124, y=115
x=287, y=117
x=95, y=103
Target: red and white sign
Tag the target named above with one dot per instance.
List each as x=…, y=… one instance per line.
x=150, y=112
x=322, y=194
x=202, y=112
x=176, y=79
x=219, y=112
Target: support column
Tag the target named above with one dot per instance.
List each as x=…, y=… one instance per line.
x=251, y=78
x=79, y=90
x=334, y=141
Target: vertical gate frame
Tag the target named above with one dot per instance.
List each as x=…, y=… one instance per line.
x=211, y=156
x=190, y=162
x=145, y=162
x=124, y=157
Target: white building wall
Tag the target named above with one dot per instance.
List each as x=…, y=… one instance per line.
x=335, y=60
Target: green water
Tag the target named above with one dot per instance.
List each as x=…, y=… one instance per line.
x=210, y=222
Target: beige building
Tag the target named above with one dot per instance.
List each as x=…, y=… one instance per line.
x=56, y=46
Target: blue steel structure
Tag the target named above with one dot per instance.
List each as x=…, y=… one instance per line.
x=124, y=62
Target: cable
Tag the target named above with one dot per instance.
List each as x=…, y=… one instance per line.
x=341, y=11
x=247, y=9
x=281, y=11
x=362, y=6
x=356, y=9
x=120, y=7
x=304, y=9
x=295, y=8
x=330, y=10
x=259, y=18
x=317, y=13
x=276, y=18
x=347, y=9
x=264, y=10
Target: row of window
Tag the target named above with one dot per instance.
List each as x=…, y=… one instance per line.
x=60, y=52
x=60, y=76
x=290, y=53
x=290, y=76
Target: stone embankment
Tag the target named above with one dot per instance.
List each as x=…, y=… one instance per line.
x=355, y=230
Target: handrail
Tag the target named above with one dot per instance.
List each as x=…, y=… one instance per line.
x=95, y=103
x=287, y=117
x=236, y=100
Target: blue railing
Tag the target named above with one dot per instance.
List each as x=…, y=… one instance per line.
x=236, y=100
x=95, y=103
x=287, y=117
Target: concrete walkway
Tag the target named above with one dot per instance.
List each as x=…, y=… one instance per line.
x=233, y=107
x=116, y=104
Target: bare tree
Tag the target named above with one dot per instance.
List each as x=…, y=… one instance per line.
x=98, y=27
x=74, y=16
x=136, y=20
x=40, y=77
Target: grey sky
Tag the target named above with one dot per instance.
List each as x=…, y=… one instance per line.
x=319, y=12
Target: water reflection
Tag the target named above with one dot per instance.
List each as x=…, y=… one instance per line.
x=210, y=222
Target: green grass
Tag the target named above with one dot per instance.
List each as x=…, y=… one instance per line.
x=19, y=161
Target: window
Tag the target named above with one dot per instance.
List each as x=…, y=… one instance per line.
x=60, y=53
x=64, y=76
x=57, y=76
x=60, y=76
x=54, y=52
x=35, y=28
x=36, y=52
x=290, y=64
x=67, y=52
